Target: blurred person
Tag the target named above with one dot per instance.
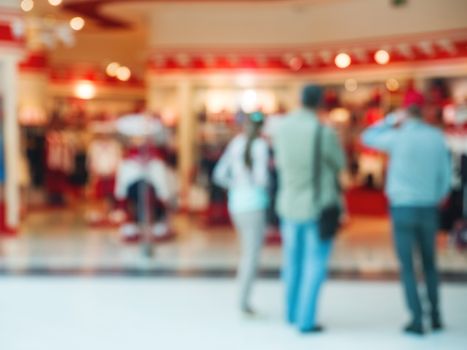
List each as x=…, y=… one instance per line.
x=243, y=170
x=307, y=185
x=418, y=180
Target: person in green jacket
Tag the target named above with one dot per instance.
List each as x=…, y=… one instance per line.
x=305, y=255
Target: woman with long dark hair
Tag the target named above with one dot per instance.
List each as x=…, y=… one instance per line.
x=243, y=170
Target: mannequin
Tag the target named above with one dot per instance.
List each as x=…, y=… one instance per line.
x=144, y=186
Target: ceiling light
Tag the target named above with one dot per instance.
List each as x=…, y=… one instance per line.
x=112, y=69
x=382, y=57
x=295, y=63
x=77, y=23
x=123, y=73
x=85, y=90
x=392, y=85
x=27, y=5
x=55, y=2
x=351, y=85
x=342, y=60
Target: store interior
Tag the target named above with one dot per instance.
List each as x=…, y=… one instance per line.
x=73, y=72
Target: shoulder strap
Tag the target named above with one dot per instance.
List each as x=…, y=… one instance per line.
x=316, y=163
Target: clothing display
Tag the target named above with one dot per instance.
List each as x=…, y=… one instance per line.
x=61, y=150
x=104, y=187
x=455, y=206
x=2, y=160
x=36, y=155
x=104, y=156
x=79, y=176
x=65, y=162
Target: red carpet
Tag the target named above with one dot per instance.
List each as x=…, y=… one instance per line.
x=366, y=202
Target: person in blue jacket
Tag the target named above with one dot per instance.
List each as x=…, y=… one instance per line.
x=418, y=180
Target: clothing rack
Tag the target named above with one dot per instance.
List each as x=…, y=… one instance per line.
x=457, y=142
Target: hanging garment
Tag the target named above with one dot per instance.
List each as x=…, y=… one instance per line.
x=104, y=155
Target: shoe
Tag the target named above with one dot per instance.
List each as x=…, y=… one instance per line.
x=414, y=328
x=315, y=329
x=436, y=323
x=248, y=311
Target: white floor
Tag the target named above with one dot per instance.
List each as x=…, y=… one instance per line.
x=170, y=314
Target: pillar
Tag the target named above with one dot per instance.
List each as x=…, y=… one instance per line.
x=11, y=140
x=33, y=84
x=186, y=137
x=12, y=45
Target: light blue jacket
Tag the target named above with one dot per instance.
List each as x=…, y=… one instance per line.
x=247, y=187
x=419, y=171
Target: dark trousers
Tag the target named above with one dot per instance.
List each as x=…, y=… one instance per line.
x=149, y=204
x=415, y=228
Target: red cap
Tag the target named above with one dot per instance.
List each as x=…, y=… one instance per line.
x=413, y=97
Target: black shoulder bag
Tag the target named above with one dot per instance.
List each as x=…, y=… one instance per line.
x=329, y=216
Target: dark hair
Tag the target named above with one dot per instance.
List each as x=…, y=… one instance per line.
x=415, y=111
x=312, y=96
x=255, y=122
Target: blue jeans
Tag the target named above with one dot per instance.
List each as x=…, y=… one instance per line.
x=414, y=228
x=304, y=269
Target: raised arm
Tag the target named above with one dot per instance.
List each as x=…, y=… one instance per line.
x=381, y=136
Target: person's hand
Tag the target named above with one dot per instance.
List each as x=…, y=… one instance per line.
x=396, y=118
